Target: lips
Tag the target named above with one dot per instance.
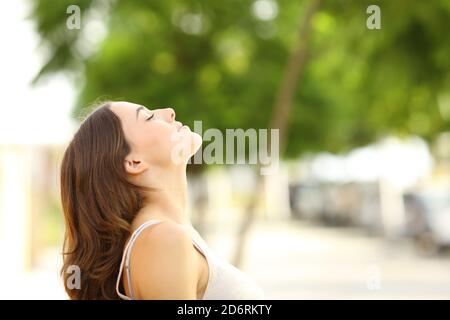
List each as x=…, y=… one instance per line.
x=179, y=125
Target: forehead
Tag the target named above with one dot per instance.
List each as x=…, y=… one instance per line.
x=125, y=110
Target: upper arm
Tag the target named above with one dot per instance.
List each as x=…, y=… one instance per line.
x=164, y=264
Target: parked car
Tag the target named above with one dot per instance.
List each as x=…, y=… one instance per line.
x=428, y=219
x=337, y=204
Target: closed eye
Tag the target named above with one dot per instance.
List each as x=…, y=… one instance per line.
x=150, y=117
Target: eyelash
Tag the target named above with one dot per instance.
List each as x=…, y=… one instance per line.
x=150, y=117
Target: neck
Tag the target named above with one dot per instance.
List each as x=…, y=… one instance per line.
x=168, y=200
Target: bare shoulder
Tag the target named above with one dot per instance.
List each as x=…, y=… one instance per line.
x=163, y=263
x=164, y=236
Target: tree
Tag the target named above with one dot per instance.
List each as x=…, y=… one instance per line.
x=219, y=62
x=223, y=62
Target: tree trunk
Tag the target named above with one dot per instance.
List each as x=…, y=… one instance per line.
x=280, y=116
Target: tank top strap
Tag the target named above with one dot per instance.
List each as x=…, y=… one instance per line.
x=126, y=259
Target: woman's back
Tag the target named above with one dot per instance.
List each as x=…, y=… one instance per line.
x=221, y=279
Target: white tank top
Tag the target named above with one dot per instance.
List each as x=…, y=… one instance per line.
x=225, y=281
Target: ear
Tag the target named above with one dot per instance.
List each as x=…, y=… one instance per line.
x=135, y=165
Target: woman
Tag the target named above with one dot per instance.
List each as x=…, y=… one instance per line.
x=124, y=195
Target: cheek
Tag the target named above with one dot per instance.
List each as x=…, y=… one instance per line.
x=159, y=143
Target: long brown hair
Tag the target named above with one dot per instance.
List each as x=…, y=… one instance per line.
x=99, y=204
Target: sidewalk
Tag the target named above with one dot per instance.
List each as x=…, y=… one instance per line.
x=294, y=260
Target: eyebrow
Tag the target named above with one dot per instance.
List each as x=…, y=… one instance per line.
x=137, y=111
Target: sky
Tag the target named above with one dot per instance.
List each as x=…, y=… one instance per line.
x=29, y=115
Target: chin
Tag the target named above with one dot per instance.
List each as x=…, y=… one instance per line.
x=196, y=142
x=187, y=144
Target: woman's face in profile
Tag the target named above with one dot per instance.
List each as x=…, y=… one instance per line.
x=154, y=135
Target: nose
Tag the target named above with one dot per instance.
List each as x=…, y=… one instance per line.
x=170, y=114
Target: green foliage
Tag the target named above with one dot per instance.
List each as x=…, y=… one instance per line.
x=215, y=61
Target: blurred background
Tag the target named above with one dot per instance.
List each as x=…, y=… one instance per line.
x=360, y=206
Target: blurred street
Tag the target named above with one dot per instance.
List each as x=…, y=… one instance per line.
x=298, y=260
x=295, y=260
